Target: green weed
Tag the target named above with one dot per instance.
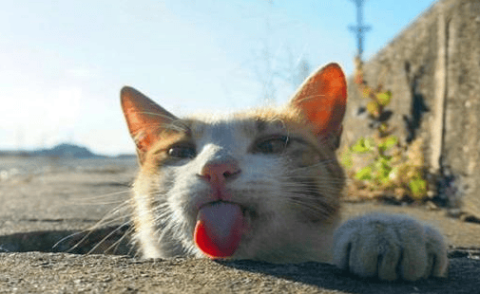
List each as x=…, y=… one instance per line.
x=380, y=165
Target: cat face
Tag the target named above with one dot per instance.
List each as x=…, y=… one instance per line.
x=246, y=185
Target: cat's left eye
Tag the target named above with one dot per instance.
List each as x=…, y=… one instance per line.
x=272, y=145
x=182, y=151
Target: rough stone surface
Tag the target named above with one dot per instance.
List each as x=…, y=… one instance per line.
x=47, y=202
x=433, y=71
x=35, y=272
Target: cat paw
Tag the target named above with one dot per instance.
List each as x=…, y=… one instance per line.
x=390, y=247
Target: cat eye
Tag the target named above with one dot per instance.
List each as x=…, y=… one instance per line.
x=182, y=151
x=272, y=145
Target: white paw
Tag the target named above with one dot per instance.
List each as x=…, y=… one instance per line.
x=390, y=247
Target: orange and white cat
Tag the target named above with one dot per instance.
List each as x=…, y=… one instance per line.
x=264, y=184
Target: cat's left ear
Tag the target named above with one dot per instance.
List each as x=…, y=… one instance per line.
x=322, y=98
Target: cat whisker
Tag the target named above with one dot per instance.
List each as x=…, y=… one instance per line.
x=108, y=236
x=106, y=196
x=122, y=209
x=319, y=164
x=106, y=222
x=307, y=179
x=66, y=238
x=161, y=216
x=126, y=191
x=100, y=203
x=320, y=208
x=300, y=176
x=117, y=243
x=311, y=194
x=88, y=233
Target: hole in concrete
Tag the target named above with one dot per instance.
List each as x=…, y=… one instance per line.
x=110, y=240
x=469, y=252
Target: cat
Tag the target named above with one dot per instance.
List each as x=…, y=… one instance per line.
x=265, y=185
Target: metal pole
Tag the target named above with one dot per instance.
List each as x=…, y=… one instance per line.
x=360, y=29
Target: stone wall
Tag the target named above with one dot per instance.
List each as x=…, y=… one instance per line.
x=433, y=71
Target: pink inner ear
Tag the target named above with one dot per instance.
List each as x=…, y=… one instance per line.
x=322, y=98
x=144, y=117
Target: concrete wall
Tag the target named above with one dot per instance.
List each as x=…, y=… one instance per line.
x=433, y=70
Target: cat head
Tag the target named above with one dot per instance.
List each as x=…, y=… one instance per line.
x=226, y=185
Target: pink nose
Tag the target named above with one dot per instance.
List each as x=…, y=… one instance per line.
x=219, y=173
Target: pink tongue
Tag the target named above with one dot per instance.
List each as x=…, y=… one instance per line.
x=219, y=229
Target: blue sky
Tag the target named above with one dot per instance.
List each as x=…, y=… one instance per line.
x=62, y=63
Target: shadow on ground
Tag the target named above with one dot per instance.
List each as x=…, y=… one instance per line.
x=464, y=270
x=110, y=240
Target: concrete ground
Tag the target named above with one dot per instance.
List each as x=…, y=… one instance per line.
x=49, y=207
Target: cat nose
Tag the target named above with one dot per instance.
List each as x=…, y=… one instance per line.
x=219, y=173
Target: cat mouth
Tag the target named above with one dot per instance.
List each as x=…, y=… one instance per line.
x=219, y=229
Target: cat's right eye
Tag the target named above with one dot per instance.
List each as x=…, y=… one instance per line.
x=182, y=151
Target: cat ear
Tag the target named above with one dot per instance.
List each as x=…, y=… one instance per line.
x=144, y=118
x=322, y=98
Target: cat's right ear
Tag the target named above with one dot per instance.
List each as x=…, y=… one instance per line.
x=144, y=119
